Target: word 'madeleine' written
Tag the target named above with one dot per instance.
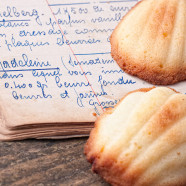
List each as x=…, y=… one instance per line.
x=37, y=63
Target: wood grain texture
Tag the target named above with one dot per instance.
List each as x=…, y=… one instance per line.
x=46, y=162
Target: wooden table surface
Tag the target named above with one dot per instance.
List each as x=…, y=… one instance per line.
x=46, y=162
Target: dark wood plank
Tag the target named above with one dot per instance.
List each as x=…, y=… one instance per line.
x=46, y=162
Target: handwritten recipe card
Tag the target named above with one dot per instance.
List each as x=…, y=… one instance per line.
x=55, y=64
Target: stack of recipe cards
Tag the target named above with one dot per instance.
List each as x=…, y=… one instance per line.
x=56, y=71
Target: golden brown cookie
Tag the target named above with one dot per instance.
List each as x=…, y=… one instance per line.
x=142, y=141
x=150, y=41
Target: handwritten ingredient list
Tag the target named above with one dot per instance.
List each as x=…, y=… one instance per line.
x=58, y=53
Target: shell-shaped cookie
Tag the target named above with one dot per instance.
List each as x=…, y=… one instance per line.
x=150, y=41
x=142, y=141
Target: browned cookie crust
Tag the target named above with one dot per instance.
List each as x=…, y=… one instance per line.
x=157, y=53
x=147, y=147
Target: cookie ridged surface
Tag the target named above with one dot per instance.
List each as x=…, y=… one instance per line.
x=142, y=141
x=150, y=41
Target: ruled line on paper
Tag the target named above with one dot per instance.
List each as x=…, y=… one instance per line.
x=74, y=55
x=120, y=1
x=86, y=3
x=20, y=70
x=87, y=54
x=14, y=20
x=68, y=4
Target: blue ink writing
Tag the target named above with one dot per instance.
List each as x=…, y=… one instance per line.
x=74, y=72
x=64, y=95
x=43, y=86
x=30, y=44
x=44, y=74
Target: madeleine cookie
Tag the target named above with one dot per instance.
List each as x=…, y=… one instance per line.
x=150, y=41
x=142, y=141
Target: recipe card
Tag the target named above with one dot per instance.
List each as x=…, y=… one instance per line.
x=55, y=61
